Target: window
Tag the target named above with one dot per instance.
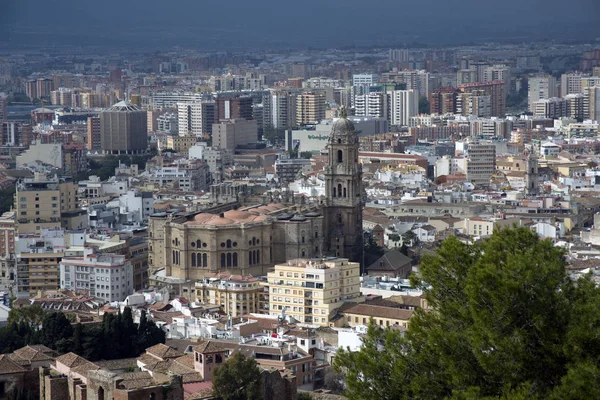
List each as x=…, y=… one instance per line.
x=204, y=260
x=223, y=260
x=193, y=259
x=340, y=156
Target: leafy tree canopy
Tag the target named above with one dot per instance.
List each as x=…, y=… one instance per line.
x=506, y=322
x=238, y=378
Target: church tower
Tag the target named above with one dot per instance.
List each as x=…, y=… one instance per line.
x=343, y=189
x=531, y=174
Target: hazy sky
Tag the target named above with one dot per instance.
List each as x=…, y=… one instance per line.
x=265, y=23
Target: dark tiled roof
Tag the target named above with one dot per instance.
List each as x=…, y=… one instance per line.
x=379, y=312
x=163, y=351
x=8, y=366
x=208, y=346
x=391, y=261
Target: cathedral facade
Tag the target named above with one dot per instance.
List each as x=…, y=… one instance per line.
x=252, y=238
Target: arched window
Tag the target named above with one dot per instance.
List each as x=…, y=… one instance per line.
x=223, y=260
x=235, y=259
x=228, y=243
x=339, y=141
x=174, y=259
x=303, y=253
x=339, y=218
x=193, y=259
x=100, y=393
x=229, y=259
x=340, y=156
x=303, y=236
x=344, y=192
x=198, y=243
x=250, y=257
x=316, y=235
x=204, y=260
x=340, y=189
x=253, y=241
x=333, y=192
x=258, y=256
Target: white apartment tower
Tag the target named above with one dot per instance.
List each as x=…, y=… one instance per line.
x=405, y=104
x=541, y=87
x=570, y=83
x=195, y=118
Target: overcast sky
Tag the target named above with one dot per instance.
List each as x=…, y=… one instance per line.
x=266, y=23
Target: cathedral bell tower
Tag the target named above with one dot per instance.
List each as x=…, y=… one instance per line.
x=343, y=189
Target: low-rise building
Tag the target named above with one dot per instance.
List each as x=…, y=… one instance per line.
x=235, y=294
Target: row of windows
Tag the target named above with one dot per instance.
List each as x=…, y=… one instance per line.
x=199, y=260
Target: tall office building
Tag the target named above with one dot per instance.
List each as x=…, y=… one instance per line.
x=540, y=87
x=363, y=79
x=575, y=106
x=94, y=135
x=495, y=89
x=570, y=83
x=233, y=107
x=443, y=100
x=310, y=108
x=404, y=104
x=123, y=129
x=196, y=118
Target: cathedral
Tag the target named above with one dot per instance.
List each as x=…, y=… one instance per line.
x=249, y=238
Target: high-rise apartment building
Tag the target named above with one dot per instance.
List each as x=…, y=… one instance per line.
x=363, y=79
x=475, y=103
x=196, y=118
x=589, y=82
x=230, y=133
x=279, y=109
x=373, y=104
x=310, y=108
x=575, y=106
x=481, y=163
x=466, y=76
x=540, y=87
x=591, y=103
x=498, y=72
x=94, y=134
x=3, y=108
x=123, y=129
x=44, y=202
x=310, y=290
x=398, y=55
x=16, y=133
x=443, y=100
x=413, y=79
x=495, y=89
x=570, y=83
x=553, y=108
x=404, y=104
x=7, y=248
x=233, y=107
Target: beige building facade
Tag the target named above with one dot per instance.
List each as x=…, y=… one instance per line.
x=310, y=290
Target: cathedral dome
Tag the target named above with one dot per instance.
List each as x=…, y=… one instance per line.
x=342, y=130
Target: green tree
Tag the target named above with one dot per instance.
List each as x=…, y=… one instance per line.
x=238, y=378
x=506, y=322
x=423, y=105
x=56, y=330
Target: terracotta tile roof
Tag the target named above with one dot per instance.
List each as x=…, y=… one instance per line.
x=379, y=312
x=209, y=346
x=136, y=380
x=8, y=366
x=163, y=351
x=71, y=360
x=113, y=365
x=34, y=353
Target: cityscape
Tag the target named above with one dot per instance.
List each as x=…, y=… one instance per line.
x=220, y=211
